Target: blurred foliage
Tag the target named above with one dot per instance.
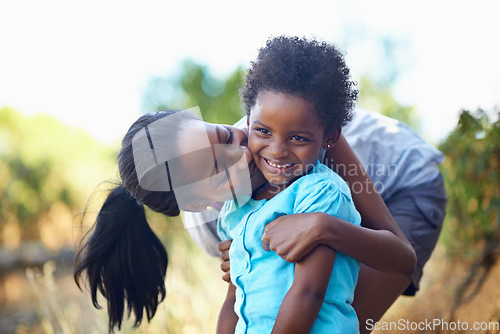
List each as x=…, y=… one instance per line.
x=394, y=58
x=378, y=97
x=49, y=173
x=195, y=86
x=472, y=175
x=47, y=170
x=219, y=101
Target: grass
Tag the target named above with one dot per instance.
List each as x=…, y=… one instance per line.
x=46, y=299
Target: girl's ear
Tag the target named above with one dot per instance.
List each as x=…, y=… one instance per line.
x=331, y=138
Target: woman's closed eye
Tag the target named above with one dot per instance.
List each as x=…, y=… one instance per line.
x=226, y=136
x=230, y=136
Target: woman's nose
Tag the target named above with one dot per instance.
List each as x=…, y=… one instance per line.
x=248, y=156
x=238, y=154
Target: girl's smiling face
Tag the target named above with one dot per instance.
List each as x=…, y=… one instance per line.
x=285, y=136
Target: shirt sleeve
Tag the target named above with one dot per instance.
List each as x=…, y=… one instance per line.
x=223, y=232
x=328, y=198
x=202, y=227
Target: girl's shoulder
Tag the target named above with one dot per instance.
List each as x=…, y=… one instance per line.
x=321, y=184
x=322, y=190
x=321, y=176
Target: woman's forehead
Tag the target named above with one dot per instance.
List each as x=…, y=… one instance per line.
x=195, y=136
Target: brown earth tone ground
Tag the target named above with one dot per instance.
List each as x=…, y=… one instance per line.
x=433, y=302
x=46, y=300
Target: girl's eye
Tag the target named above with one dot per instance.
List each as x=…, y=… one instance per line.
x=263, y=131
x=299, y=138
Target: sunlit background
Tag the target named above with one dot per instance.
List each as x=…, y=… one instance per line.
x=75, y=75
x=88, y=63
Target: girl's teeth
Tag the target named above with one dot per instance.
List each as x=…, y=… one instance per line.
x=277, y=165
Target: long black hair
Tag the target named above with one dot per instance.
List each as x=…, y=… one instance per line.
x=123, y=259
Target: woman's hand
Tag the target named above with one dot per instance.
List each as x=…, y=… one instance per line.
x=293, y=237
x=223, y=247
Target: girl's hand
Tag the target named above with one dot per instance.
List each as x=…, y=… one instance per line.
x=223, y=247
x=293, y=236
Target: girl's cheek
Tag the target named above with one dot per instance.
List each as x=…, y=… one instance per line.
x=253, y=143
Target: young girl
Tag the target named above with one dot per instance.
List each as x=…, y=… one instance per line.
x=294, y=92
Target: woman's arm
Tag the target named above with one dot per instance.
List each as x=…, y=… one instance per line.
x=227, y=318
x=379, y=244
x=371, y=206
x=302, y=303
x=293, y=236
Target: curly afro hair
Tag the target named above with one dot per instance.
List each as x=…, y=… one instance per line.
x=313, y=70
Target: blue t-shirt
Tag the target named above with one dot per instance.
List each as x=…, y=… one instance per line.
x=262, y=278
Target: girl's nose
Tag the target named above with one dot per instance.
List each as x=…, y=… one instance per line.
x=278, y=150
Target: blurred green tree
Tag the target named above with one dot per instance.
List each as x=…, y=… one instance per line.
x=378, y=96
x=472, y=172
x=45, y=164
x=195, y=86
x=472, y=175
x=385, y=61
x=219, y=101
x=377, y=84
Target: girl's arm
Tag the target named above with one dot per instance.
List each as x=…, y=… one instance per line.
x=302, y=303
x=227, y=317
x=379, y=244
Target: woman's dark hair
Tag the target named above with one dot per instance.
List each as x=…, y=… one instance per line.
x=123, y=259
x=315, y=71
